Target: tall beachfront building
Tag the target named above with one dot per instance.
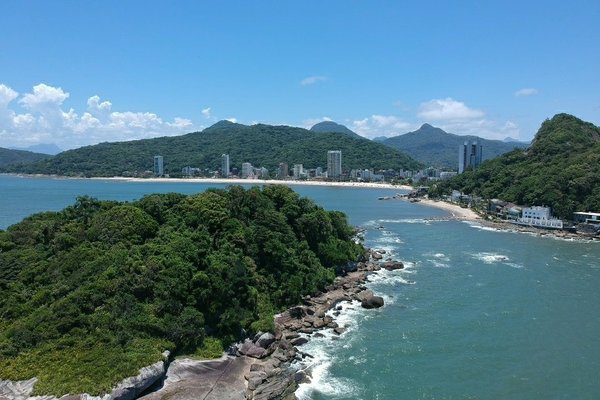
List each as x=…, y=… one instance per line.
x=469, y=155
x=225, y=165
x=159, y=168
x=334, y=164
x=247, y=170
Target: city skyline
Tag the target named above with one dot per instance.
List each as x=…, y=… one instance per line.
x=378, y=68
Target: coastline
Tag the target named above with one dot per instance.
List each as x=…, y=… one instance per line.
x=232, y=181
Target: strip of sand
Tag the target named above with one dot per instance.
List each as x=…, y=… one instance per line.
x=235, y=181
x=457, y=212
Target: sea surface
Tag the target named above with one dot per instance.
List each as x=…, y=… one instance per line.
x=476, y=314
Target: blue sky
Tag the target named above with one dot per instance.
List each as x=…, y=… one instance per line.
x=79, y=72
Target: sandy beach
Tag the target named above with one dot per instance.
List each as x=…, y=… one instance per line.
x=457, y=212
x=261, y=182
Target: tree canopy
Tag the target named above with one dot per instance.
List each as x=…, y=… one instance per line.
x=92, y=293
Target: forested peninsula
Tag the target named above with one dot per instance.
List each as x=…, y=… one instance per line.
x=92, y=293
x=561, y=169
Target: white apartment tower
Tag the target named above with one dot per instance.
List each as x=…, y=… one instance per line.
x=469, y=155
x=334, y=164
x=159, y=168
x=225, y=165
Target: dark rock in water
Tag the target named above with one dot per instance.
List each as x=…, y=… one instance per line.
x=392, y=265
x=339, y=308
x=339, y=330
x=265, y=340
x=372, y=302
x=318, y=335
x=299, y=341
x=300, y=377
x=381, y=251
x=377, y=256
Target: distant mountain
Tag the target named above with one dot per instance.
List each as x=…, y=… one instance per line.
x=435, y=147
x=12, y=157
x=330, y=126
x=508, y=139
x=261, y=145
x=380, y=139
x=560, y=169
x=44, y=148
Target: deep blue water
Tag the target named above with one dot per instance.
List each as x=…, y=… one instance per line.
x=477, y=314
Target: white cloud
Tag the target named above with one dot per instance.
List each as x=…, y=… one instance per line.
x=231, y=119
x=311, y=80
x=380, y=125
x=95, y=106
x=44, y=96
x=206, y=112
x=6, y=95
x=47, y=122
x=525, y=92
x=447, y=109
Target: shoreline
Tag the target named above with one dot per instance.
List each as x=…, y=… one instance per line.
x=466, y=214
x=232, y=181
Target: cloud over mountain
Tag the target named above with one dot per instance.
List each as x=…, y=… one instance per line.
x=43, y=118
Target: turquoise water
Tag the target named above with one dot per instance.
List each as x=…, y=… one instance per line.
x=477, y=314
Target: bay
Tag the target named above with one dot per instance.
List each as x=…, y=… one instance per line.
x=476, y=314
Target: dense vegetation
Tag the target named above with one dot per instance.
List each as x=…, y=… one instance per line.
x=560, y=169
x=90, y=294
x=330, y=126
x=435, y=147
x=9, y=156
x=261, y=145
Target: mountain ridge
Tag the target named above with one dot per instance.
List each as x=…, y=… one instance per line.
x=436, y=147
x=261, y=145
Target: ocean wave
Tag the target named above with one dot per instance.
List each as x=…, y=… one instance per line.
x=405, y=221
x=438, y=264
x=490, y=258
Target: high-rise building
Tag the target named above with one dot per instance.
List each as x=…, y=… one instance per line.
x=334, y=164
x=298, y=171
x=159, y=169
x=283, y=172
x=225, y=165
x=247, y=170
x=469, y=155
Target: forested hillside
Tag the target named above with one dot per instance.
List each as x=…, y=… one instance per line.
x=261, y=145
x=90, y=294
x=560, y=169
x=435, y=147
x=9, y=156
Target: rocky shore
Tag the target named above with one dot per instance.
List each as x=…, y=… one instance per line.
x=261, y=367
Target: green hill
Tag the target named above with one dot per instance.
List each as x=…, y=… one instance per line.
x=330, y=126
x=435, y=147
x=9, y=156
x=90, y=294
x=261, y=145
x=560, y=169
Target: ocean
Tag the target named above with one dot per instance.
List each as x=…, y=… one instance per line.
x=476, y=314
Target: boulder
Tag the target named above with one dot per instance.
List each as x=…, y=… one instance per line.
x=339, y=330
x=392, y=265
x=251, y=350
x=265, y=340
x=377, y=256
x=299, y=341
x=372, y=302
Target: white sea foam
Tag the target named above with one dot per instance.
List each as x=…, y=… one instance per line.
x=514, y=265
x=405, y=221
x=324, y=351
x=490, y=258
x=438, y=264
